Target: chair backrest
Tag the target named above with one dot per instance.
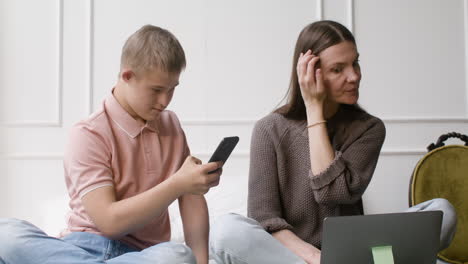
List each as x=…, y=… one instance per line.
x=443, y=173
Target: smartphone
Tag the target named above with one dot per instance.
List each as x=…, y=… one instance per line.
x=223, y=150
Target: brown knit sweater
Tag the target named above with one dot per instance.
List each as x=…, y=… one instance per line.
x=283, y=192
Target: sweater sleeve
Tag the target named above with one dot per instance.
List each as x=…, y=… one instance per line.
x=264, y=203
x=349, y=174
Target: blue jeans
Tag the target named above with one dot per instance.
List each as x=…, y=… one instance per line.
x=23, y=243
x=235, y=239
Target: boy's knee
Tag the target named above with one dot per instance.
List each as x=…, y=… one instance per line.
x=184, y=254
x=11, y=227
x=173, y=253
x=224, y=225
x=229, y=229
x=232, y=222
x=11, y=232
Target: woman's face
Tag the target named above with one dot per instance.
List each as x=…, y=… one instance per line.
x=341, y=72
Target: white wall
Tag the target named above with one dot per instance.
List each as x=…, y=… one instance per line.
x=59, y=58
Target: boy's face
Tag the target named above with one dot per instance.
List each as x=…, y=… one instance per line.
x=147, y=94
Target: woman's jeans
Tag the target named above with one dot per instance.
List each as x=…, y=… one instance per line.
x=23, y=243
x=241, y=240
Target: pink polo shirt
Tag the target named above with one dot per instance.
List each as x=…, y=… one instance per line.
x=110, y=148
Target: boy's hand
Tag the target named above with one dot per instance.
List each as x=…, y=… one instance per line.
x=194, y=177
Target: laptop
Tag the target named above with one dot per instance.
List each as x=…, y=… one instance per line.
x=412, y=238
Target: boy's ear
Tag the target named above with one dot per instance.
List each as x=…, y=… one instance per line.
x=126, y=75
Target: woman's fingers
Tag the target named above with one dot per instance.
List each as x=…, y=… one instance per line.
x=302, y=66
x=304, y=58
x=319, y=78
x=311, y=70
x=310, y=78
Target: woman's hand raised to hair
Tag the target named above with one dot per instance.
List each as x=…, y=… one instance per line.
x=311, y=80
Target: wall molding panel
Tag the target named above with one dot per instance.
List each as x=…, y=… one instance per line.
x=57, y=122
x=350, y=9
x=390, y=119
x=465, y=20
x=90, y=57
x=416, y=119
x=319, y=10
x=238, y=154
x=33, y=156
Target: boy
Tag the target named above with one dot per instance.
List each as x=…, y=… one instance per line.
x=124, y=166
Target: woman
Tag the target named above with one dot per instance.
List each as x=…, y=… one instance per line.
x=311, y=158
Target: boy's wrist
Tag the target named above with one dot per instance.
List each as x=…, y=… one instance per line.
x=176, y=185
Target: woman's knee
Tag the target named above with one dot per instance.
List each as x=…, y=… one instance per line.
x=441, y=204
x=449, y=218
x=449, y=221
x=437, y=204
x=444, y=205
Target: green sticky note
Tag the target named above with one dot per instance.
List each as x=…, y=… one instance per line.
x=383, y=255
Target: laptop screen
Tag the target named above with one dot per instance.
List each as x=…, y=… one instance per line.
x=413, y=237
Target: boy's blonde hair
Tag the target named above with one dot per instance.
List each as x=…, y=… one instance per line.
x=152, y=48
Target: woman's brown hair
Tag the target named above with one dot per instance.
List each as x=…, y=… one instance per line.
x=316, y=37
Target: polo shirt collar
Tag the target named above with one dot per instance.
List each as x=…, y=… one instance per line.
x=125, y=121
